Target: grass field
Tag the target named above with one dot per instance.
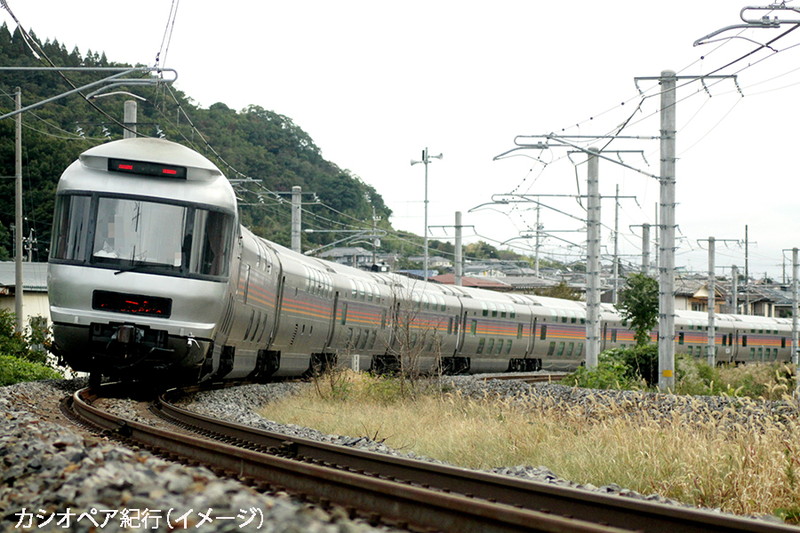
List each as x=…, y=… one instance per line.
x=744, y=459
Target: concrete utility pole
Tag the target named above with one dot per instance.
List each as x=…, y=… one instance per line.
x=18, y=278
x=459, y=252
x=615, y=266
x=376, y=242
x=130, y=119
x=666, y=320
x=746, y=270
x=458, y=255
x=426, y=159
x=795, y=343
x=735, y=290
x=297, y=213
x=711, y=351
x=538, y=240
x=593, y=261
x=712, y=300
x=645, y=248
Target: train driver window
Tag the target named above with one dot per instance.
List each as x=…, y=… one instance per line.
x=211, y=245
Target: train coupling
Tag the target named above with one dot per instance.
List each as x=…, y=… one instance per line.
x=128, y=334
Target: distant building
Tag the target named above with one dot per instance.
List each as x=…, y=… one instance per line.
x=34, y=286
x=354, y=256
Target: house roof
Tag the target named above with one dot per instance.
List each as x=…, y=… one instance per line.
x=34, y=276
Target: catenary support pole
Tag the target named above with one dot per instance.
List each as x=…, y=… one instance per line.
x=459, y=260
x=593, y=262
x=795, y=343
x=297, y=212
x=666, y=319
x=18, y=279
x=712, y=299
x=130, y=119
x=615, y=266
x=646, y=249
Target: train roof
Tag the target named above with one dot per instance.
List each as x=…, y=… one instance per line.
x=154, y=168
x=151, y=151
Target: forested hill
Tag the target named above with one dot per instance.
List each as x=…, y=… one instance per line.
x=251, y=144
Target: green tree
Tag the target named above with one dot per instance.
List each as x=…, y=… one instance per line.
x=480, y=250
x=638, y=303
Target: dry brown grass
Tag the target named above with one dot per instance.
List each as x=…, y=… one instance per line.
x=738, y=458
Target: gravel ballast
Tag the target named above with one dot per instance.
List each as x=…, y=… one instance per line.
x=51, y=468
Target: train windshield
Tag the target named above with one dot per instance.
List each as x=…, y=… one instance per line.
x=128, y=233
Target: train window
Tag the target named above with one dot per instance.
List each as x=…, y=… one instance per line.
x=513, y=313
x=552, y=348
x=519, y=331
x=212, y=239
x=485, y=309
x=383, y=319
x=580, y=350
x=564, y=319
x=752, y=353
x=500, y=346
x=560, y=349
x=681, y=337
x=480, y=345
x=71, y=227
x=744, y=340
x=493, y=307
x=503, y=311
x=613, y=335
x=543, y=332
x=450, y=326
x=344, y=314
x=508, y=348
x=473, y=327
x=490, y=346
x=783, y=342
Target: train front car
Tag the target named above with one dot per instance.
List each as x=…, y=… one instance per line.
x=140, y=260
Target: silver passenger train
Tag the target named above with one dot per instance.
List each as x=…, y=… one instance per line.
x=152, y=277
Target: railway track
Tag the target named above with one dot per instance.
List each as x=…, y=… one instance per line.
x=528, y=377
x=412, y=494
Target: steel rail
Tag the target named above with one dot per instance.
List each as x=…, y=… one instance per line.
x=591, y=506
x=400, y=502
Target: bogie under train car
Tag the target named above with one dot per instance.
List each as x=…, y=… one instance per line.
x=152, y=277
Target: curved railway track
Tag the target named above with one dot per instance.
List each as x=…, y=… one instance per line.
x=409, y=493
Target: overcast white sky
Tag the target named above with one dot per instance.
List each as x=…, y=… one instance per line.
x=373, y=83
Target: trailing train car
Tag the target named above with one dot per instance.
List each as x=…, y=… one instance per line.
x=152, y=277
